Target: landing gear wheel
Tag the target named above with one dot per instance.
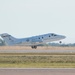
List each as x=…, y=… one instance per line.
x=60, y=42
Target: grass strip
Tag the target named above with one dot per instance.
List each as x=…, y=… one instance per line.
x=37, y=61
x=38, y=65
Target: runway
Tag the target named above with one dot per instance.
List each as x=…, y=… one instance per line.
x=37, y=51
x=37, y=71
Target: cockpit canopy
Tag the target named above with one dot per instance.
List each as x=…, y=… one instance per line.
x=53, y=34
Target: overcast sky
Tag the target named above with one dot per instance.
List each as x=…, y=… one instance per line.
x=23, y=18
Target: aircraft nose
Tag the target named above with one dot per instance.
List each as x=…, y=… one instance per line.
x=63, y=37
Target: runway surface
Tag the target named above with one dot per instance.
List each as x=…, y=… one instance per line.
x=37, y=51
x=35, y=71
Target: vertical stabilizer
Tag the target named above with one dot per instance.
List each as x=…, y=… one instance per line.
x=8, y=39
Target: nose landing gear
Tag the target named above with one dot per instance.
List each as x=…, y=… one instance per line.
x=60, y=42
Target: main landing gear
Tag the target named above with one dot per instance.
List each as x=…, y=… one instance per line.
x=34, y=47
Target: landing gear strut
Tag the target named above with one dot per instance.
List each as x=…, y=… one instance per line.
x=34, y=47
